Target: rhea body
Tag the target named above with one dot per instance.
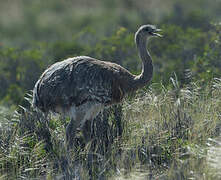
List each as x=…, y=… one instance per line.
x=81, y=87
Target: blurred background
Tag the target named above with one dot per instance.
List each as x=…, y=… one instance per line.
x=35, y=34
x=168, y=130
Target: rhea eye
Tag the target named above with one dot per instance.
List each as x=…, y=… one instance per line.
x=147, y=29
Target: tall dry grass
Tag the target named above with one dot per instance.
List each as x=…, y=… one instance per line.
x=160, y=133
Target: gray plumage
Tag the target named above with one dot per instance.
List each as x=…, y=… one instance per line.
x=77, y=80
x=81, y=87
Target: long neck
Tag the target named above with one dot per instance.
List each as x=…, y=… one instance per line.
x=147, y=66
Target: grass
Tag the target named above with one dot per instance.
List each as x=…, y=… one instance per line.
x=162, y=133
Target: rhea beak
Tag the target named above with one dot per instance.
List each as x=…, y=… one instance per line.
x=155, y=33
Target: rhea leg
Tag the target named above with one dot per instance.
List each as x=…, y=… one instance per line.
x=91, y=114
x=76, y=118
x=70, y=133
x=79, y=115
x=71, y=129
x=87, y=130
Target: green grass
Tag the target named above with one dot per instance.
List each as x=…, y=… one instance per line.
x=161, y=133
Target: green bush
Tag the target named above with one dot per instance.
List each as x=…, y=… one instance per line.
x=19, y=70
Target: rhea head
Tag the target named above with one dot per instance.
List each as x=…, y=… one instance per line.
x=147, y=31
